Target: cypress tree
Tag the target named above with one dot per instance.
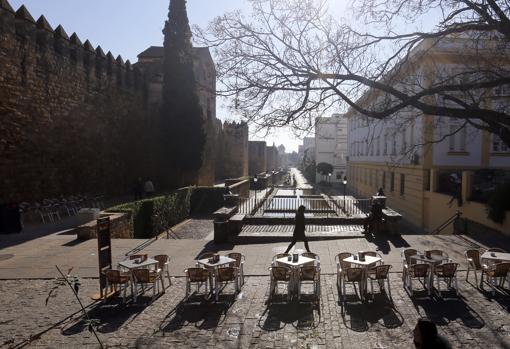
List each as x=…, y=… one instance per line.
x=183, y=125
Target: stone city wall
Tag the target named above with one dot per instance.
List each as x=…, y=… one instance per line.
x=73, y=119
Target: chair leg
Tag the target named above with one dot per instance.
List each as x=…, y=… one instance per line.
x=169, y=278
x=467, y=274
x=476, y=277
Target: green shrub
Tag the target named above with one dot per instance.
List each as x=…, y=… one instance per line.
x=150, y=217
x=499, y=204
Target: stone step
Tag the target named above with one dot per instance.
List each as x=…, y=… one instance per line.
x=283, y=232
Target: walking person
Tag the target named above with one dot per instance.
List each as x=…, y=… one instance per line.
x=148, y=188
x=299, y=229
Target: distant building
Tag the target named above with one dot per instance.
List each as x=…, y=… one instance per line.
x=272, y=158
x=257, y=157
x=331, y=146
x=306, y=151
x=150, y=62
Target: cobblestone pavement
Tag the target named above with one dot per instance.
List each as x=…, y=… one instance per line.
x=474, y=319
x=192, y=229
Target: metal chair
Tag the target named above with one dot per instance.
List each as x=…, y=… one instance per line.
x=224, y=276
x=198, y=276
x=312, y=255
x=474, y=262
x=310, y=274
x=163, y=267
x=353, y=276
x=274, y=263
x=417, y=271
x=116, y=279
x=279, y=274
x=447, y=272
x=341, y=266
x=430, y=253
x=494, y=272
x=239, y=263
x=146, y=277
x=380, y=273
x=407, y=261
x=373, y=254
x=205, y=255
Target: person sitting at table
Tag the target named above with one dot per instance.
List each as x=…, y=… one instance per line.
x=299, y=229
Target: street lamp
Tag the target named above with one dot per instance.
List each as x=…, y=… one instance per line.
x=329, y=176
x=345, y=186
x=255, y=179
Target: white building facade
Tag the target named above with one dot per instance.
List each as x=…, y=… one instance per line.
x=331, y=146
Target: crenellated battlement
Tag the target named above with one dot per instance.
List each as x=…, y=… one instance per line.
x=36, y=42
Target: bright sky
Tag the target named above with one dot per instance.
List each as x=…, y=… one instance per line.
x=127, y=27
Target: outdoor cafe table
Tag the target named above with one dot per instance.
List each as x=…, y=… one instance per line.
x=301, y=261
x=208, y=264
x=432, y=261
x=496, y=256
x=365, y=264
x=131, y=264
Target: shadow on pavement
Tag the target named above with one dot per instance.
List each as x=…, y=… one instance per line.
x=279, y=313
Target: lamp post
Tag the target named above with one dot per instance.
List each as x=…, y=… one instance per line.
x=345, y=186
x=329, y=178
x=255, y=179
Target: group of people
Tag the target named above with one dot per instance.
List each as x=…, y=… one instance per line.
x=143, y=188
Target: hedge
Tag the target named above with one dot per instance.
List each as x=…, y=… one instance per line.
x=151, y=216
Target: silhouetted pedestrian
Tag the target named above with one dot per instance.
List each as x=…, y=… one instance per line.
x=299, y=229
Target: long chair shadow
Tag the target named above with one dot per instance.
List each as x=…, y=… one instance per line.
x=111, y=316
x=197, y=311
x=358, y=316
x=279, y=313
x=447, y=309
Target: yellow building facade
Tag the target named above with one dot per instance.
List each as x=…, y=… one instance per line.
x=413, y=157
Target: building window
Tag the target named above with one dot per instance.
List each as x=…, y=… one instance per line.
x=451, y=146
x=404, y=144
x=385, y=144
x=372, y=148
x=366, y=148
x=394, y=145
x=411, y=136
x=378, y=151
x=498, y=145
x=457, y=139
x=392, y=182
x=402, y=184
x=384, y=180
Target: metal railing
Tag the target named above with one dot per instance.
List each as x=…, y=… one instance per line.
x=316, y=206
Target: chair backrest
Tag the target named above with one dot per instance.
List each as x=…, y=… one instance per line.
x=280, y=255
x=430, y=253
x=141, y=275
x=280, y=273
x=354, y=274
x=308, y=273
x=447, y=269
x=237, y=256
x=311, y=255
x=340, y=259
x=143, y=257
x=419, y=270
x=197, y=274
x=206, y=255
x=382, y=271
x=226, y=274
x=474, y=255
x=370, y=253
x=500, y=269
x=407, y=253
x=162, y=260
x=113, y=276
x=495, y=249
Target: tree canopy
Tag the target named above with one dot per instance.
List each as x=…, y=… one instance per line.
x=290, y=60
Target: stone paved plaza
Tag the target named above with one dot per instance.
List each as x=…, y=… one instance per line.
x=474, y=319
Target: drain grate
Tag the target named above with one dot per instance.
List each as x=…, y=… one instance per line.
x=4, y=257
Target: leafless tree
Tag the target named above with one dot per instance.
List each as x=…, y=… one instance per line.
x=289, y=61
